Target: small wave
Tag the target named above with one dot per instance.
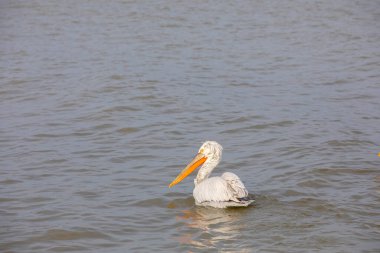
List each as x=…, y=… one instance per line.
x=61, y=234
x=155, y=202
x=128, y=130
x=337, y=171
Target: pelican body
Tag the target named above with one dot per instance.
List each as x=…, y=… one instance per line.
x=220, y=192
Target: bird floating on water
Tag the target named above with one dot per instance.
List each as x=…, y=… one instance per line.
x=220, y=192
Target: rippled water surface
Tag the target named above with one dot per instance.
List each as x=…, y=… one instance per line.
x=102, y=103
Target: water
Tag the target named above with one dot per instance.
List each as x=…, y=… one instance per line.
x=103, y=103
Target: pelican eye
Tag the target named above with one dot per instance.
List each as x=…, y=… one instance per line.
x=201, y=151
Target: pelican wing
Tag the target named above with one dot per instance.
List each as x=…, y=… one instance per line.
x=235, y=186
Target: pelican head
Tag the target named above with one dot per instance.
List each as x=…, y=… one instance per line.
x=211, y=150
x=209, y=154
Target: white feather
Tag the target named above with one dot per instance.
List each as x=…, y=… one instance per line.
x=235, y=185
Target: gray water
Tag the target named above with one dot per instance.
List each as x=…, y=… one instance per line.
x=104, y=102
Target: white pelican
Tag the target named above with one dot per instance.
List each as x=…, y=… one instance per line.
x=220, y=192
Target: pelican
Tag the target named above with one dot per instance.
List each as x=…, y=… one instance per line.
x=220, y=192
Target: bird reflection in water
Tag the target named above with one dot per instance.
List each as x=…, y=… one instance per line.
x=212, y=228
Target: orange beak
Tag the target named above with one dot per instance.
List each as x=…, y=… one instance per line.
x=198, y=160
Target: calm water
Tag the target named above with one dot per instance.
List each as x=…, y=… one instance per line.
x=104, y=102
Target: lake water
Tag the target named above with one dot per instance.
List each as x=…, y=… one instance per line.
x=104, y=102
